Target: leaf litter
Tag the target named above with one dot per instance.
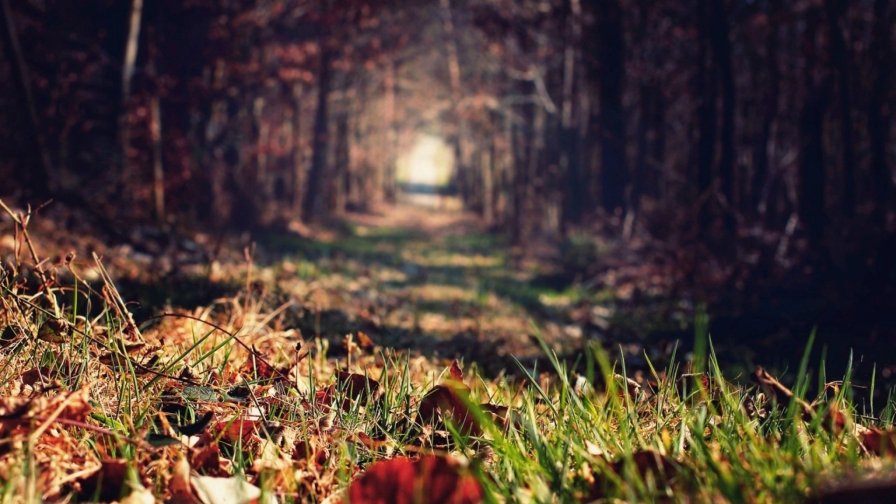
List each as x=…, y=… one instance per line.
x=231, y=403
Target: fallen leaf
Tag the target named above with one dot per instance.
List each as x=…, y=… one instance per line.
x=645, y=464
x=237, y=429
x=232, y=490
x=179, y=485
x=364, y=340
x=207, y=459
x=324, y=397
x=107, y=483
x=261, y=369
x=879, y=441
x=53, y=331
x=431, y=479
x=37, y=374
x=357, y=386
x=499, y=414
x=455, y=371
x=448, y=402
x=74, y=406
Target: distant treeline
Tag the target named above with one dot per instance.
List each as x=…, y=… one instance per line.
x=700, y=121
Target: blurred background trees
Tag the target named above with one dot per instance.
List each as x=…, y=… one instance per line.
x=754, y=132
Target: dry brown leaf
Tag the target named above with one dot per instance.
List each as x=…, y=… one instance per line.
x=232, y=490
x=448, y=402
x=179, y=488
x=364, y=340
x=879, y=441
x=107, y=483
x=53, y=331
x=357, y=386
x=238, y=429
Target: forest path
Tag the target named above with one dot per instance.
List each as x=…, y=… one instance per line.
x=417, y=277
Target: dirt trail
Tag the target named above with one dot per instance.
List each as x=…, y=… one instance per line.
x=421, y=278
x=429, y=219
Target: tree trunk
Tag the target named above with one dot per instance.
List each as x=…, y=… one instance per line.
x=342, y=174
x=570, y=159
x=391, y=147
x=835, y=10
x=762, y=155
x=811, y=172
x=296, y=154
x=38, y=180
x=878, y=124
x=458, y=136
x=705, y=93
x=155, y=136
x=127, y=74
x=313, y=204
x=722, y=51
x=614, y=170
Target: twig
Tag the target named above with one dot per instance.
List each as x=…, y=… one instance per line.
x=96, y=428
x=119, y=303
x=232, y=335
x=22, y=224
x=102, y=344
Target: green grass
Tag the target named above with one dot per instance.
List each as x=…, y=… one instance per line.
x=232, y=389
x=694, y=437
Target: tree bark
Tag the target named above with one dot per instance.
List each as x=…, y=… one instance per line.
x=391, y=147
x=705, y=94
x=614, y=169
x=458, y=136
x=127, y=73
x=762, y=155
x=155, y=135
x=570, y=159
x=39, y=181
x=722, y=52
x=313, y=203
x=878, y=124
x=296, y=155
x=835, y=10
x=811, y=170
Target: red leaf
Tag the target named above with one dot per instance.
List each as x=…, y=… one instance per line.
x=364, y=340
x=879, y=442
x=456, y=372
x=431, y=479
x=238, y=429
x=107, y=483
x=449, y=402
x=324, y=397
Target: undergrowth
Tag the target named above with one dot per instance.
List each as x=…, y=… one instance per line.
x=230, y=399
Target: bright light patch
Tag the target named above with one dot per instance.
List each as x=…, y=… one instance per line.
x=429, y=162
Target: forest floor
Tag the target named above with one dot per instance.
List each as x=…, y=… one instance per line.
x=319, y=365
x=432, y=281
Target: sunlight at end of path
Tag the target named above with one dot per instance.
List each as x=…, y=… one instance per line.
x=428, y=163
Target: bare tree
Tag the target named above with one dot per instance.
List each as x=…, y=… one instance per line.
x=127, y=74
x=39, y=181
